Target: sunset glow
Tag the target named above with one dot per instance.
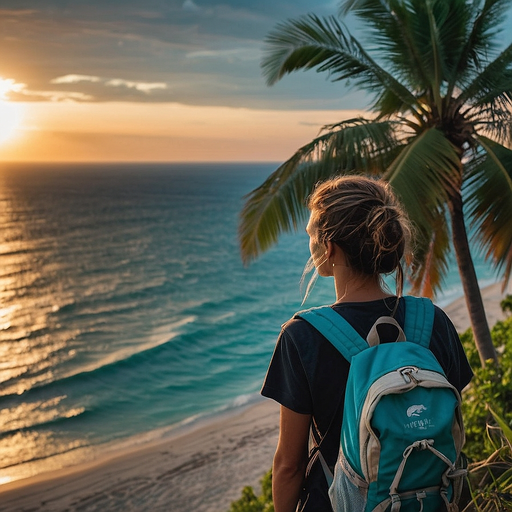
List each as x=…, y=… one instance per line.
x=137, y=81
x=169, y=132
x=10, y=119
x=8, y=85
x=10, y=112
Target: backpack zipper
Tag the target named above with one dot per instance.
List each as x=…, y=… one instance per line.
x=407, y=373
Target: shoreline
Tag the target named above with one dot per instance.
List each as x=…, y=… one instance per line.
x=202, y=469
x=491, y=296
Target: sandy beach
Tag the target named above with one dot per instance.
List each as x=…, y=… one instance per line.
x=202, y=470
x=492, y=296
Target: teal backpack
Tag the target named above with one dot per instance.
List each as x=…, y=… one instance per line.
x=402, y=431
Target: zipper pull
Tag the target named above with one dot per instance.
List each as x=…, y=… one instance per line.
x=406, y=373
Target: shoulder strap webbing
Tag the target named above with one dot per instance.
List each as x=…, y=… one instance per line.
x=336, y=329
x=419, y=320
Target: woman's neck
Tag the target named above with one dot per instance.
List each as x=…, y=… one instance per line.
x=359, y=289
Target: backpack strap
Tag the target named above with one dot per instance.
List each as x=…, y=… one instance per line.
x=419, y=320
x=349, y=343
x=336, y=329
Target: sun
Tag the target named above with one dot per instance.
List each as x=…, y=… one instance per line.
x=10, y=119
x=10, y=112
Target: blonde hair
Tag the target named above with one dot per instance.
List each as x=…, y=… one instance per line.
x=364, y=218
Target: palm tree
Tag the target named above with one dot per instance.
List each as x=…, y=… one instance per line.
x=437, y=130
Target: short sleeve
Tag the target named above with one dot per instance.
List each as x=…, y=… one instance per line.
x=286, y=381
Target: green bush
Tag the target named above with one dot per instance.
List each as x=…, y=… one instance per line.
x=490, y=480
x=249, y=502
x=506, y=304
x=490, y=387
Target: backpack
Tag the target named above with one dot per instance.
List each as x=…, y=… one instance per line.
x=402, y=431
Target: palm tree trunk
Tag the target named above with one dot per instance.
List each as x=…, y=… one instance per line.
x=469, y=281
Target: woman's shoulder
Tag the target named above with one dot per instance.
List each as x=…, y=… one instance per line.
x=306, y=339
x=442, y=321
x=296, y=326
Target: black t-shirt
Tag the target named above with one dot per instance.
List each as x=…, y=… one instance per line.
x=308, y=375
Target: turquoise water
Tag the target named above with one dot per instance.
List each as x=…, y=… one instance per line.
x=125, y=308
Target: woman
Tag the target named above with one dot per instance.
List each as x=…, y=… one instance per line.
x=358, y=234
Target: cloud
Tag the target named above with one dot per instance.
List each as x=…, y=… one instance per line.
x=73, y=79
x=16, y=12
x=8, y=86
x=93, y=89
x=189, y=5
x=237, y=14
x=243, y=54
x=145, y=87
x=25, y=94
x=202, y=52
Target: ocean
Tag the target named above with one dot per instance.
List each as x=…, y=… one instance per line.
x=126, y=314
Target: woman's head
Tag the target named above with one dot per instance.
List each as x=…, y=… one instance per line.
x=363, y=217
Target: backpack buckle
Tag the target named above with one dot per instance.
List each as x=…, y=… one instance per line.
x=396, y=502
x=420, y=496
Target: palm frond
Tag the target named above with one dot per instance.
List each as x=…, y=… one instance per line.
x=489, y=202
x=420, y=40
x=493, y=120
x=359, y=143
x=434, y=31
x=424, y=174
x=311, y=42
x=494, y=81
x=479, y=44
x=304, y=43
x=431, y=257
x=391, y=37
x=360, y=7
x=487, y=25
x=279, y=204
x=436, y=50
x=388, y=104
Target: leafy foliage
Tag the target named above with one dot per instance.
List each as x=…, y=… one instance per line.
x=249, y=502
x=506, y=304
x=279, y=204
x=490, y=480
x=491, y=387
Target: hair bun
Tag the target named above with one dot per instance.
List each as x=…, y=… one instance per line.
x=364, y=218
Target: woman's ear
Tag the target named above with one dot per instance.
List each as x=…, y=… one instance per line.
x=329, y=250
x=335, y=255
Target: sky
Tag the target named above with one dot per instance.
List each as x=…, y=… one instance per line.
x=155, y=80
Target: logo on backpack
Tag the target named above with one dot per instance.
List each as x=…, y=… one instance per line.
x=416, y=410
